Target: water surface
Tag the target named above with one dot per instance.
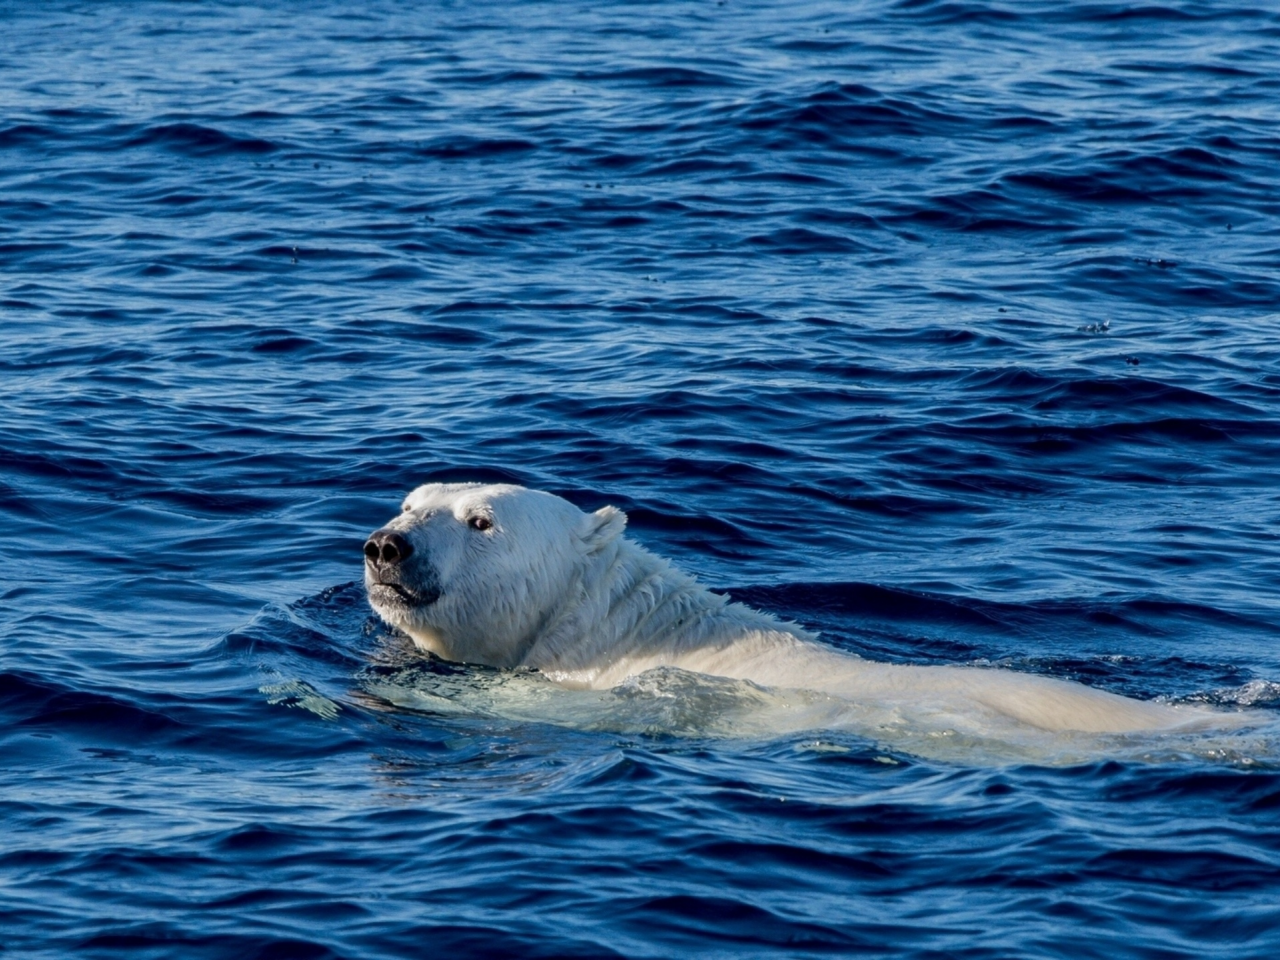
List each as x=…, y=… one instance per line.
x=946, y=328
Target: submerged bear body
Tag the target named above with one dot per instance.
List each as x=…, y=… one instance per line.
x=510, y=577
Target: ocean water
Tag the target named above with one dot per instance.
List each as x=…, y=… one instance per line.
x=950, y=329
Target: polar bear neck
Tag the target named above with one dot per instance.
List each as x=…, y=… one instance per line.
x=628, y=604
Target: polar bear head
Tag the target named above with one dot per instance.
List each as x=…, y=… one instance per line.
x=474, y=572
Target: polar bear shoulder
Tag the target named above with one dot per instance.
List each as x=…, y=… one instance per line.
x=633, y=610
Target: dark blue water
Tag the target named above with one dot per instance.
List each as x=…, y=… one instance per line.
x=951, y=329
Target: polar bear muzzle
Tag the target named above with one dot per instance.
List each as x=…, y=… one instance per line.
x=394, y=577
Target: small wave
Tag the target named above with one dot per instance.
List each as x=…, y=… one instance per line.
x=660, y=77
x=201, y=141
x=857, y=602
x=842, y=116
x=798, y=241
x=475, y=148
x=27, y=135
x=32, y=702
x=955, y=12
x=1128, y=394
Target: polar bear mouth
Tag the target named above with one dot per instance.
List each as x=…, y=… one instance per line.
x=394, y=593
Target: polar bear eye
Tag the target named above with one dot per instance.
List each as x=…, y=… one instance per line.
x=479, y=523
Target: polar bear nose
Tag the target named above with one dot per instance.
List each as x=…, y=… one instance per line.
x=387, y=546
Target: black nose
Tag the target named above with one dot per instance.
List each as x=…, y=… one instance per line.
x=387, y=546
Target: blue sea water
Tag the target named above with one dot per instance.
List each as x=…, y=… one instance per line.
x=949, y=328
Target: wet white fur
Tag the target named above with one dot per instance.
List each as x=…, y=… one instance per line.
x=550, y=587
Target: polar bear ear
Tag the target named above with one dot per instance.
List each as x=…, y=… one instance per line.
x=601, y=528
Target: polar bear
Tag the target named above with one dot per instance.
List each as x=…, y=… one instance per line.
x=510, y=577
